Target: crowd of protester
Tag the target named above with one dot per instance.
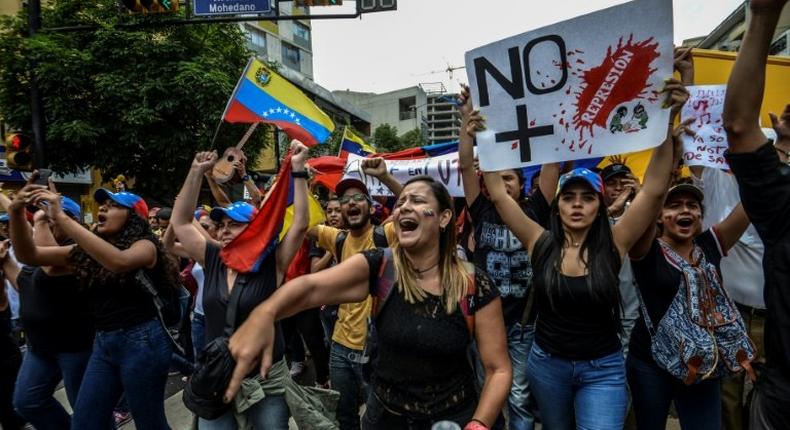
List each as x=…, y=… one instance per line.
x=578, y=298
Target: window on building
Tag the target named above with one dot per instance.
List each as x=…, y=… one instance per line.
x=406, y=108
x=291, y=57
x=257, y=41
x=301, y=35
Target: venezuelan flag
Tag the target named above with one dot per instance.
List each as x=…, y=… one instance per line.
x=353, y=144
x=248, y=250
x=262, y=95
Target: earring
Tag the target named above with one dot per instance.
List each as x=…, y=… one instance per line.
x=442, y=228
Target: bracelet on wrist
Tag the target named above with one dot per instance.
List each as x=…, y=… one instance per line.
x=475, y=424
x=299, y=174
x=245, y=178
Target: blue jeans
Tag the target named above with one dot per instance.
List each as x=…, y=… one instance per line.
x=589, y=394
x=519, y=342
x=133, y=361
x=653, y=389
x=345, y=374
x=271, y=413
x=37, y=381
x=198, y=333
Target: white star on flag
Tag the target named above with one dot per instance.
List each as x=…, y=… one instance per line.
x=279, y=110
x=285, y=111
x=293, y=115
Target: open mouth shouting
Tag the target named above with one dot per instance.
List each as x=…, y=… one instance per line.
x=408, y=225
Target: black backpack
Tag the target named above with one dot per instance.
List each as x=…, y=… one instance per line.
x=379, y=240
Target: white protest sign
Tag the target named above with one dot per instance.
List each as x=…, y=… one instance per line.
x=444, y=168
x=587, y=87
x=707, y=147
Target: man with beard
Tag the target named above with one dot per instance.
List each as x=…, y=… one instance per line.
x=347, y=353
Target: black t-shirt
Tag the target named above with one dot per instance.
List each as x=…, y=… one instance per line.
x=422, y=367
x=55, y=312
x=257, y=288
x=658, y=282
x=764, y=184
x=573, y=325
x=501, y=254
x=122, y=304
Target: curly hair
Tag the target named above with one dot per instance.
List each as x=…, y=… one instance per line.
x=91, y=273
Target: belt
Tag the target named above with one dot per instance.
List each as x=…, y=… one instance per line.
x=748, y=310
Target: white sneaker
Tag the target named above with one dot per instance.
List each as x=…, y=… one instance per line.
x=297, y=367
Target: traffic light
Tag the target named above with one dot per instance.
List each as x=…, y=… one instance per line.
x=17, y=152
x=318, y=2
x=368, y=6
x=151, y=6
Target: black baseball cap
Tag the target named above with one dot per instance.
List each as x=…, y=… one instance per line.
x=347, y=183
x=687, y=188
x=613, y=170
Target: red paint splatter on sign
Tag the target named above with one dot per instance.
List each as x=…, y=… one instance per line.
x=621, y=77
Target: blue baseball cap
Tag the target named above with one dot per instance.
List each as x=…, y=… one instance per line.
x=71, y=207
x=4, y=217
x=125, y=199
x=581, y=174
x=239, y=212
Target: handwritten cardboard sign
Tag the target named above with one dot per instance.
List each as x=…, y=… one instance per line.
x=707, y=147
x=586, y=87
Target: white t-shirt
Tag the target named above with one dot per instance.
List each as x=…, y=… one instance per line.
x=200, y=278
x=742, y=268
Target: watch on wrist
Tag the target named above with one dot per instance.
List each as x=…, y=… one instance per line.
x=299, y=174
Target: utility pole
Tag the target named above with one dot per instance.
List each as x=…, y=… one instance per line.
x=36, y=104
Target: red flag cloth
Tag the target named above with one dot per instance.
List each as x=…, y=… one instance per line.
x=300, y=265
x=248, y=250
x=328, y=170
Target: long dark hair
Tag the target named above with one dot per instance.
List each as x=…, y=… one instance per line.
x=602, y=261
x=92, y=273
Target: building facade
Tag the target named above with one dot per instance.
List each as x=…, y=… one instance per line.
x=405, y=109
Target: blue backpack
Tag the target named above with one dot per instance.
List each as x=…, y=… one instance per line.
x=702, y=334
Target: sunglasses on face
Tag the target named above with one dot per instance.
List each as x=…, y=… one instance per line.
x=358, y=197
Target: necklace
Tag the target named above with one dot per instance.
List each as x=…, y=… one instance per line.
x=420, y=272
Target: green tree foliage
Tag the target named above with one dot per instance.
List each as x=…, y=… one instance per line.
x=137, y=102
x=385, y=137
x=413, y=138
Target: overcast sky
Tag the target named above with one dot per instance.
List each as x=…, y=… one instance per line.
x=391, y=50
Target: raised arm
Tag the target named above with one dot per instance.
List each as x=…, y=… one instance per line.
x=183, y=209
x=10, y=267
x=252, y=343
x=525, y=229
x=21, y=233
x=643, y=243
x=547, y=182
x=377, y=167
x=746, y=85
x=249, y=184
x=140, y=254
x=290, y=244
x=642, y=212
x=471, y=121
x=731, y=229
x=492, y=344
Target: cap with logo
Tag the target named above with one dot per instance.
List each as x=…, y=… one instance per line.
x=125, y=199
x=581, y=175
x=239, y=212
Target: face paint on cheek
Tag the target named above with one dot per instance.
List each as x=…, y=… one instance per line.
x=428, y=212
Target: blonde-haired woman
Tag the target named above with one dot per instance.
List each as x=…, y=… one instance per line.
x=422, y=374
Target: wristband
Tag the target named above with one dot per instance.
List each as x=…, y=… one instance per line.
x=299, y=174
x=475, y=425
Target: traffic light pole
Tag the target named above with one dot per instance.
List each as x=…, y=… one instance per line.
x=36, y=105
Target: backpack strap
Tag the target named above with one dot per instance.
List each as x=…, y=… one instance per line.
x=340, y=239
x=380, y=237
x=385, y=282
x=145, y=282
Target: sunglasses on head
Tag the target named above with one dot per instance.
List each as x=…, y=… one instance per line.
x=358, y=197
